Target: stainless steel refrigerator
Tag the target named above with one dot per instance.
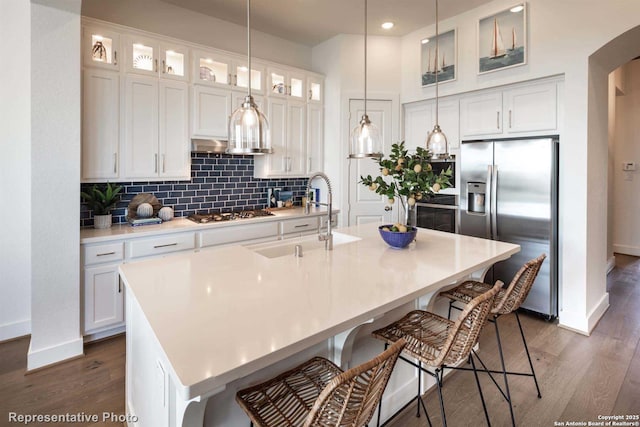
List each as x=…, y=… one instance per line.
x=509, y=192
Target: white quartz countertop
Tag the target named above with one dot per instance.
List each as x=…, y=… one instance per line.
x=180, y=224
x=224, y=313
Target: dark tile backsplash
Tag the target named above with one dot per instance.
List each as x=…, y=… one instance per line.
x=219, y=184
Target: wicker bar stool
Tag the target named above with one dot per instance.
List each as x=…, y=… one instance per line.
x=438, y=343
x=507, y=301
x=318, y=393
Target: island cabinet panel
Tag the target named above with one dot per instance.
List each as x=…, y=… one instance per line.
x=241, y=233
x=160, y=245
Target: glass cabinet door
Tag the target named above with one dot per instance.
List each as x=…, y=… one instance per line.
x=174, y=62
x=142, y=55
x=287, y=83
x=314, y=89
x=297, y=87
x=101, y=48
x=211, y=69
x=241, y=77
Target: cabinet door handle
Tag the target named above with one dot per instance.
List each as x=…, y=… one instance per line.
x=289, y=164
x=229, y=79
x=119, y=286
x=115, y=162
x=155, y=162
x=115, y=57
x=289, y=90
x=235, y=80
x=509, y=119
x=164, y=166
x=165, y=246
x=106, y=253
x=498, y=119
x=310, y=94
x=156, y=65
x=164, y=67
x=301, y=226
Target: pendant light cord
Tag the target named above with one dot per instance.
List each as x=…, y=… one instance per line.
x=249, y=45
x=437, y=59
x=365, y=57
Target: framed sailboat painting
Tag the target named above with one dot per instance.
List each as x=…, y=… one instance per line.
x=444, y=62
x=502, y=39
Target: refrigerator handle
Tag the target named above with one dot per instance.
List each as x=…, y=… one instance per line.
x=494, y=203
x=488, y=198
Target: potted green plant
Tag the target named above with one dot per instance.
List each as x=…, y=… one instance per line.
x=101, y=200
x=408, y=178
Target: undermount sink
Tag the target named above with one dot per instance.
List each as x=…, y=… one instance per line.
x=287, y=247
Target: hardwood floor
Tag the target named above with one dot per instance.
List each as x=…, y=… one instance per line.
x=580, y=377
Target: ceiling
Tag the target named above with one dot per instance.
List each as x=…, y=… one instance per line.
x=311, y=22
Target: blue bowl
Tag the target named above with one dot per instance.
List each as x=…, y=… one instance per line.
x=396, y=239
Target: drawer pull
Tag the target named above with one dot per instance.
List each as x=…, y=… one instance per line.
x=165, y=246
x=301, y=226
x=106, y=253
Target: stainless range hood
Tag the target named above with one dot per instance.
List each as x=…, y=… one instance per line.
x=215, y=146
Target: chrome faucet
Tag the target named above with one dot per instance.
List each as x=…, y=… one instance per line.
x=326, y=238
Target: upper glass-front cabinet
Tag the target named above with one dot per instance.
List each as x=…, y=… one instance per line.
x=101, y=48
x=287, y=83
x=314, y=89
x=174, y=62
x=221, y=70
x=148, y=56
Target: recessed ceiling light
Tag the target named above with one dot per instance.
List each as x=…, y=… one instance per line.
x=425, y=41
x=518, y=8
x=387, y=25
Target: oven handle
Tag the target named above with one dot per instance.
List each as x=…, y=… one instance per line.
x=432, y=205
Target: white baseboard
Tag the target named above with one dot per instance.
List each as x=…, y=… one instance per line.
x=578, y=322
x=50, y=355
x=626, y=249
x=13, y=330
x=611, y=263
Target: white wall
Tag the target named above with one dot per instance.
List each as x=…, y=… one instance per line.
x=170, y=20
x=55, y=181
x=561, y=38
x=15, y=170
x=626, y=191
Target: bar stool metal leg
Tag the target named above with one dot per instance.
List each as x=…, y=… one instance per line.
x=504, y=371
x=439, y=382
x=526, y=348
x=484, y=405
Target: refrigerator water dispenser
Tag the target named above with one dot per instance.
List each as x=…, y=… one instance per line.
x=476, y=192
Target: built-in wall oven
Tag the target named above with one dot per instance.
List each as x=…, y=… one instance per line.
x=439, y=211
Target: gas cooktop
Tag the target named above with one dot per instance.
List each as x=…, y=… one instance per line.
x=203, y=218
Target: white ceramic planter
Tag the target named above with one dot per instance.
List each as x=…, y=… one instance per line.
x=102, y=221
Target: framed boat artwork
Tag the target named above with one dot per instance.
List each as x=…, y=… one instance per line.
x=502, y=39
x=444, y=63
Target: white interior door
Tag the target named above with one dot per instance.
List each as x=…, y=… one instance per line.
x=364, y=204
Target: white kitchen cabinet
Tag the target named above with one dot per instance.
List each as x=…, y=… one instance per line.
x=100, y=125
x=287, y=83
x=210, y=111
x=159, y=245
x=224, y=70
x=315, y=89
x=142, y=55
x=420, y=117
x=481, y=114
x=156, y=129
x=531, y=108
x=246, y=233
x=174, y=61
x=287, y=121
x=100, y=47
x=315, y=138
x=103, y=298
x=299, y=226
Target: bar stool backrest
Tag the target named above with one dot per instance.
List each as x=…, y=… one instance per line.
x=519, y=287
x=464, y=333
x=351, y=398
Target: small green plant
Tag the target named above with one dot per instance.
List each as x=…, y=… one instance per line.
x=102, y=199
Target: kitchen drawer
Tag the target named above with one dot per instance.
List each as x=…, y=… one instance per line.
x=139, y=248
x=98, y=254
x=240, y=233
x=301, y=225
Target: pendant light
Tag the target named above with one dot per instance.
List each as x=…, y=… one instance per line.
x=365, y=137
x=248, y=127
x=437, y=140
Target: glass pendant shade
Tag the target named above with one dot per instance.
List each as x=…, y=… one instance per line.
x=249, y=130
x=365, y=140
x=437, y=143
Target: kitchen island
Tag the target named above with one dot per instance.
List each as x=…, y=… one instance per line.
x=200, y=323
